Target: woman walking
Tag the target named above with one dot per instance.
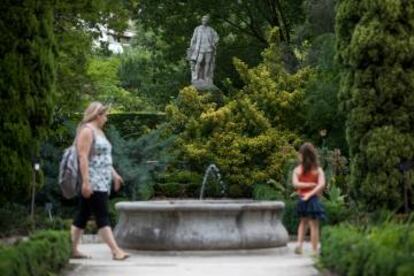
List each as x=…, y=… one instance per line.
x=97, y=174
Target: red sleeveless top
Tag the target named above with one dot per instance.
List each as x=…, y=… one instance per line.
x=308, y=177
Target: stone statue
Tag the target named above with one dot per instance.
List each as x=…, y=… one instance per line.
x=202, y=55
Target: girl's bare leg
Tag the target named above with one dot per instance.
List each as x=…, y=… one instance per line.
x=314, y=226
x=301, y=235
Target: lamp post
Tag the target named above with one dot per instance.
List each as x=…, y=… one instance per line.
x=323, y=133
x=405, y=167
x=36, y=168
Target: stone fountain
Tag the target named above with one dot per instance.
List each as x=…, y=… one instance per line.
x=200, y=224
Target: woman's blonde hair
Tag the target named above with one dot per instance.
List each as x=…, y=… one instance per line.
x=94, y=110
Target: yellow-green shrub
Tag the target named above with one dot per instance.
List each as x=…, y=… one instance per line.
x=253, y=134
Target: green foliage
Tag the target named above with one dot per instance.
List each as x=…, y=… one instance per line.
x=134, y=124
x=44, y=253
x=336, y=169
x=274, y=190
x=172, y=190
x=320, y=19
x=138, y=160
x=383, y=250
x=321, y=103
x=103, y=72
x=13, y=218
x=145, y=71
x=236, y=137
x=265, y=192
x=251, y=137
x=112, y=212
x=179, y=182
x=277, y=93
x=375, y=51
x=73, y=25
x=27, y=86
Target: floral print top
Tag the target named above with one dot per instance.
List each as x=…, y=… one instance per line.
x=100, y=164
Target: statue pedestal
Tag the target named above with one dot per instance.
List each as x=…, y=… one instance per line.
x=203, y=85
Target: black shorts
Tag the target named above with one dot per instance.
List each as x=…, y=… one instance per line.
x=97, y=205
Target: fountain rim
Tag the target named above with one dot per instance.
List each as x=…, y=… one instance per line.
x=199, y=205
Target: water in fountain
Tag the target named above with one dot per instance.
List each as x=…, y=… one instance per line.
x=212, y=168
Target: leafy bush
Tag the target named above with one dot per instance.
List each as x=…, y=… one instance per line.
x=379, y=250
x=15, y=220
x=290, y=218
x=170, y=190
x=134, y=125
x=146, y=72
x=12, y=219
x=180, y=183
x=113, y=214
x=103, y=71
x=44, y=253
x=139, y=160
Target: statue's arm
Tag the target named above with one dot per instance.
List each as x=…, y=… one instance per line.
x=216, y=37
x=194, y=38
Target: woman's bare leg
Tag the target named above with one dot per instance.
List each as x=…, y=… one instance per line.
x=108, y=238
x=75, y=234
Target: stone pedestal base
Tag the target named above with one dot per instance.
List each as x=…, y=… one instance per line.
x=204, y=85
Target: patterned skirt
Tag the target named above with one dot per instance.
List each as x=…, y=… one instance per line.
x=311, y=208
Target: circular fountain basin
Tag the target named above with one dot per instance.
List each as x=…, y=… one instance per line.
x=200, y=225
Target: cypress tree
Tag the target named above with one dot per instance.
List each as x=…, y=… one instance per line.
x=27, y=80
x=375, y=48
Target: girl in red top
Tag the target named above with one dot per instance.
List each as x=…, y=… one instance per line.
x=309, y=180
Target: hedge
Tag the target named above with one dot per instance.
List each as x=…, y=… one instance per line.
x=381, y=250
x=45, y=253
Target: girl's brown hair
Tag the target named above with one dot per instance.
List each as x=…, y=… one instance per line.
x=309, y=157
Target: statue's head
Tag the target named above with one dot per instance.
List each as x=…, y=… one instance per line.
x=205, y=19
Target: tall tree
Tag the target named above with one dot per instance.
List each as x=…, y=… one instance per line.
x=375, y=48
x=27, y=85
x=76, y=24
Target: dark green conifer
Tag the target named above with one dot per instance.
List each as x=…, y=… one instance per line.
x=375, y=47
x=27, y=81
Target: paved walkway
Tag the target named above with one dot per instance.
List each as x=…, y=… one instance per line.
x=212, y=263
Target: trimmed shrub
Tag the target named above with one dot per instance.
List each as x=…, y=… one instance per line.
x=44, y=253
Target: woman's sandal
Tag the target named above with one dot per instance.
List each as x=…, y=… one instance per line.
x=124, y=257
